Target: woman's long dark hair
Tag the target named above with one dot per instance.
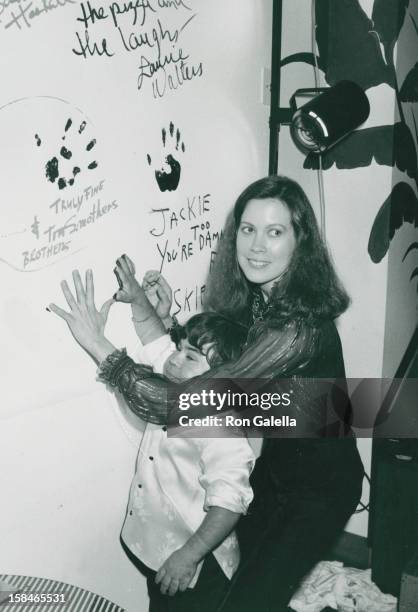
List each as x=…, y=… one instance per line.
x=309, y=290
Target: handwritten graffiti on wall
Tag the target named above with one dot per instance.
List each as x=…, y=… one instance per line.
x=194, y=234
x=55, y=238
x=21, y=16
x=181, y=233
x=181, y=227
x=53, y=194
x=140, y=28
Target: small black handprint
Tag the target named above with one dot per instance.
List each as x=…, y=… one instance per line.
x=168, y=181
x=52, y=165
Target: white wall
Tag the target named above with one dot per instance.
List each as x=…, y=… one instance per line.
x=68, y=456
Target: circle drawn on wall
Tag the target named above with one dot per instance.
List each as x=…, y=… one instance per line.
x=52, y=191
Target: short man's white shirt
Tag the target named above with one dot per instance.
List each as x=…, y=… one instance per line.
x=177, y=480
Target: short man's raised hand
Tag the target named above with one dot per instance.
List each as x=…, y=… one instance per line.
x=85, y=322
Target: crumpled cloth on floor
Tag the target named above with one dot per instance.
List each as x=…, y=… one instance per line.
x=343, y=588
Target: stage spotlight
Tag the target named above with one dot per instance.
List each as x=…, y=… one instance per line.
x=323, y=121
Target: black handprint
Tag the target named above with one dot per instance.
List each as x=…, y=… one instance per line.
x=52, y=165
x=168, y=181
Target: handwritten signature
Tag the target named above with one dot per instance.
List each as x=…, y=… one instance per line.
x=25, y=14
x=4, y=4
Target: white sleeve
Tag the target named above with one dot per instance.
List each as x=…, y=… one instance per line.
x=226, y=467
x=155, y=353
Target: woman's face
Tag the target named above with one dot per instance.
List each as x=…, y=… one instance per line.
x=265, y=241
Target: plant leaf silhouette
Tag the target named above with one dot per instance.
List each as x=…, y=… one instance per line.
x=404, y=151
x=353, y=50
x=388, y=17
x=388, y=145
x=411, y=247
x=307, y=58
x=409, y=89
x=400, y=207
x=322, y=30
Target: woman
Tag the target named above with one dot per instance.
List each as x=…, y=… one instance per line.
x=273, y=274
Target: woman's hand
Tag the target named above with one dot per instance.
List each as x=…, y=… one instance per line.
x=177, y=572
x=86, y=324
x=148, y=325
x=158, y=292
x=130, y=291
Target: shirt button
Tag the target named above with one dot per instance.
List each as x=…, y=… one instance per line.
x=140, y=486
x=130, y=513
x=151, y=458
